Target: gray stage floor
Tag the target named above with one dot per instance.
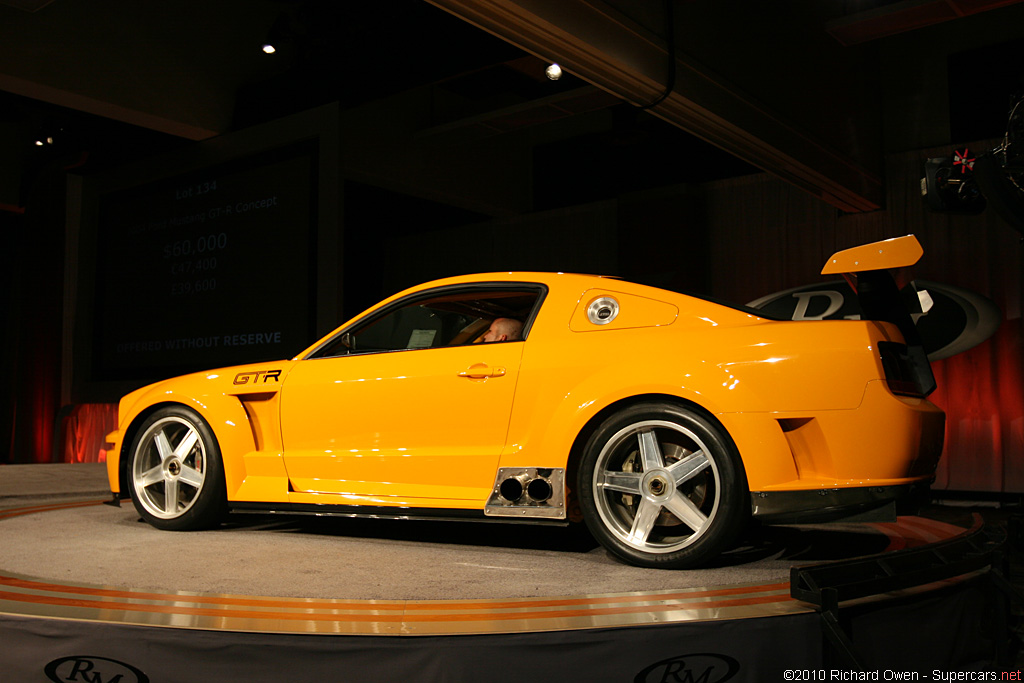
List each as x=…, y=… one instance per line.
x=357, y=559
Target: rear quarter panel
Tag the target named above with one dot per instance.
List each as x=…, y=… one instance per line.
x=743, y=370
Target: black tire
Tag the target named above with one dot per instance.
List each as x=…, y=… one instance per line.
x=176, y=474
x=661, y=486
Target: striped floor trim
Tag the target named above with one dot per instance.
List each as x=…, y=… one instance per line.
x=28, y=596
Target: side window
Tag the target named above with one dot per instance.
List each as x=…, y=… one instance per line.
x=451, y=318
x=421, y=326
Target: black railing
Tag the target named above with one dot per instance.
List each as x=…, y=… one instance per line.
x=828, y=584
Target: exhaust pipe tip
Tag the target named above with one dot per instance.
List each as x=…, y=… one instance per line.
x=512, y=489
x=539, y=490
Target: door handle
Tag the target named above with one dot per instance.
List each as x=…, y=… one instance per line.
x=482, y=371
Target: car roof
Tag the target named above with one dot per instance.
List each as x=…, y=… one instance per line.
x=580, y=282
x=545, y=278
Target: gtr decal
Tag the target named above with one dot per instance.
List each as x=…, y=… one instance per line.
x=253, y=377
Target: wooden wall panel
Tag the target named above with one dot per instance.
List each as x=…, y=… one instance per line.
x=765, y=236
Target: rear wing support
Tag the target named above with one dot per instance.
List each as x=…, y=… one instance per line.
x=869, y=270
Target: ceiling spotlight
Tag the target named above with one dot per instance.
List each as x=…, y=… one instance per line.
x=553, y=72
x=280, y=35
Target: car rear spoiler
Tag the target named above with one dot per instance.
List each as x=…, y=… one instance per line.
x=869, y=270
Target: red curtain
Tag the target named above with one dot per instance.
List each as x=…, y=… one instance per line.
x=30, y=366
x=84, y=431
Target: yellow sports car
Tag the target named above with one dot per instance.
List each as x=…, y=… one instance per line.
x=666, y=421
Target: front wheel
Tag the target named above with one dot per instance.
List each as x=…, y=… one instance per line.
x=662, y=486
x=177, y=477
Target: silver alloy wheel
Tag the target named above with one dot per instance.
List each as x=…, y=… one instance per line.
x=169, y=467
x=656, y=486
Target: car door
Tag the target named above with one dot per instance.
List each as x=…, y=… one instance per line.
x=426, y=421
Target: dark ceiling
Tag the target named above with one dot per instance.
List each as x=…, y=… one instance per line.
x=354, y=53
x=357, y=52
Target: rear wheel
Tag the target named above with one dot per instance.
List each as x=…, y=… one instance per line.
x=177, y=476
x=662, y=486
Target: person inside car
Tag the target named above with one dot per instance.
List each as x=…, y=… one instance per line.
x=502, y=329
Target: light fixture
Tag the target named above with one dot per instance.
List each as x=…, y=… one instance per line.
x=279, y=35
x=553, y=72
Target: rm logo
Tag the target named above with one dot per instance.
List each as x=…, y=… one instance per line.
x=86, y=669
x=696, y=668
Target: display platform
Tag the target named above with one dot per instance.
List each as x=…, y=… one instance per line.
x=88, y=588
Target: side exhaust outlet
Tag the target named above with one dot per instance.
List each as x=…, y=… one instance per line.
x=512, y=489
x=528, y=492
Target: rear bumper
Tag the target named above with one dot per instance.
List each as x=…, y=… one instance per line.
x=886, y=441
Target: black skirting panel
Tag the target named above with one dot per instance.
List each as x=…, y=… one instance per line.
x=951, y=628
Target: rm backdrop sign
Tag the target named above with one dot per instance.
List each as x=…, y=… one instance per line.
x=957, y=320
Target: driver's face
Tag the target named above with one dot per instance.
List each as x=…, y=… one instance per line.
x=491, y=335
